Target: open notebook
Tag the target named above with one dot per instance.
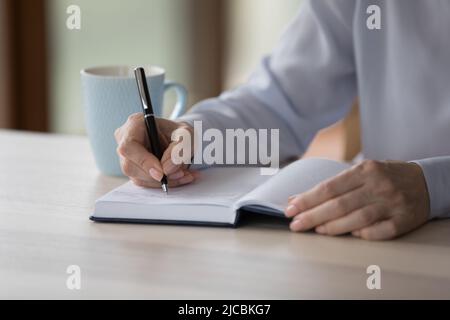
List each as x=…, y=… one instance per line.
x=217, y=197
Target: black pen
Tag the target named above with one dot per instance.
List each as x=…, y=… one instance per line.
x=149, y=118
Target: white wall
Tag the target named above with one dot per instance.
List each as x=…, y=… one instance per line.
x=253, y=26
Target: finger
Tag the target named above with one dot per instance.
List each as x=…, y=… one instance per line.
x=384, y=230
x=196, y=174
x=168, y=164
x=170, y=168
x=172, y=164
x=134, y=129
x=163, y=139
x=132, y=170
x=354, y=221
x=138, y=154
x=185, y=173
x=177, y=175
x=330, y=210
x=343, y=183
x=357, y=233
x=187, y=179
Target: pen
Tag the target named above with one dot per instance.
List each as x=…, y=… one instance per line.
x=149, y=118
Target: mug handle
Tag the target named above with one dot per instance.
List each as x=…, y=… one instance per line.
x=180, y=107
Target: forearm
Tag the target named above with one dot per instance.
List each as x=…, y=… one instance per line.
x=437, y=175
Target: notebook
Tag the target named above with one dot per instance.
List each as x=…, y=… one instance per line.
x=217, y=197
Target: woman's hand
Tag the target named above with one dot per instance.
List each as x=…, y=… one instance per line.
x=373, y=201
x=142, y=167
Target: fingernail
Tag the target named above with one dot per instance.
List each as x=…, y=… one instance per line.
x=155, y=174
x=321, y=230
x=291, y=198
x=291, y=211
x=186, y=179
x=176, y=176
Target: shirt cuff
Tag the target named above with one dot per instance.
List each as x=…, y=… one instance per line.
x=437, y=176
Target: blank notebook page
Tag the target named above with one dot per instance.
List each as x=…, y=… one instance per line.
x=216, y=186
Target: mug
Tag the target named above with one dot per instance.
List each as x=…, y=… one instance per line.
x=110, y=97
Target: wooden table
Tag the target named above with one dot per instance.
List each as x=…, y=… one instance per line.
x=48, y=185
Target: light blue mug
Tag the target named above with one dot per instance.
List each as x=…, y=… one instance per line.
x=110, y=97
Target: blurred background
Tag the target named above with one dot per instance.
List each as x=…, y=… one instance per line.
x=207, y=45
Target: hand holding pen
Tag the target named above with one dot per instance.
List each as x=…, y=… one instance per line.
x=138, y=161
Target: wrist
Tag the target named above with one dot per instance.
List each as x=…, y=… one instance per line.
x=423, y=185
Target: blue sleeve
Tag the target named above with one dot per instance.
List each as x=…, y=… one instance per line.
x=437, y=176
x=306, y=84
